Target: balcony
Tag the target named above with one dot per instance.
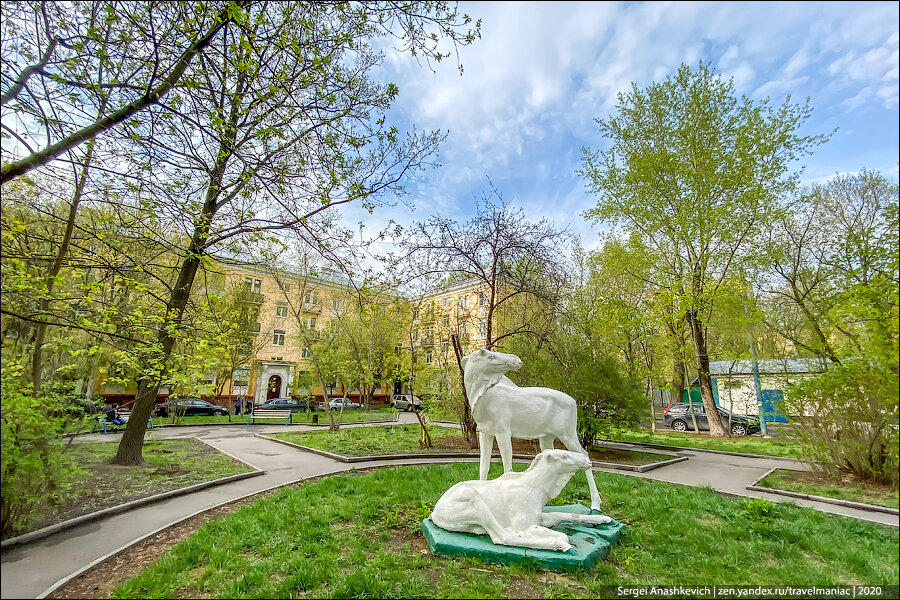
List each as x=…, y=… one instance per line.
x=250, y=297
x=312, y=308
x=426, y=342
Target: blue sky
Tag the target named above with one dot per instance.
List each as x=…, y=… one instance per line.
x=543, y=72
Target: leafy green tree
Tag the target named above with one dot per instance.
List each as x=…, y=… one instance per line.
x=831, y=282
x=695, y=171
x=35, y=469
x=832, y=290
x=290, y=127
x=61, y=59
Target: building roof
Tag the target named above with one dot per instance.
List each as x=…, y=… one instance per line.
x=768, y=367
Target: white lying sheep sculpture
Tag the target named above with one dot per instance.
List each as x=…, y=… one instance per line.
x=504, y=410
x=508, y=508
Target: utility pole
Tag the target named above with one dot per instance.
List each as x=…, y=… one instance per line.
x=755, y=366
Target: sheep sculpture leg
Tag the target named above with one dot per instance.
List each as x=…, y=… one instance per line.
x=486, y=441
x=575, y=446
x=572, y=444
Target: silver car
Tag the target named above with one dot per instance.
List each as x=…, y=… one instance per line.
x=405, y=402
x=336, y=403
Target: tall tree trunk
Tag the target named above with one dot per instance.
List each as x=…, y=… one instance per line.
x=679, y=377
x=40, y=332
x=467, y=423
x=425, y=437
x=331, y=424
x=716, y=428
x=131, y=446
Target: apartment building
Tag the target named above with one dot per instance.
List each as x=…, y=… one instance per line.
x=461, y=309
x=294, y=314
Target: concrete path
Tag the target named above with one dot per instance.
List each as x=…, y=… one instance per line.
x=732, y=474
x=33, y=570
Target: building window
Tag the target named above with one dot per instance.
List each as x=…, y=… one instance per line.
x=256, y=327
x=248, y=283
x=241, y=377
x=445, y=322
x=257, y=286
x=309, y=323
x=464, y=301
x=336, y=306
x=429, y=333
x=482, y=328
x=304, y=352
x=415, y=314
x=397, y=349
x=415, y=335
x=278, y=338
x=281, y=310
x=428, y=357
x=285, y=287
x=311, y=299
x=482, y=299
x=446, y=301
x=463, y=329
x=445, y=347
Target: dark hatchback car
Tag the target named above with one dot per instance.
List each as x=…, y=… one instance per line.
x=678, y=417
x=189, y=407
x=286, y=404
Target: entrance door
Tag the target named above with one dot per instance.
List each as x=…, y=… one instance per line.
x=274, y=388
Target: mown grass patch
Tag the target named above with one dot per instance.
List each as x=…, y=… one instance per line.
x=815, y=484
x=367, y=441
x=745, y=444
x=359, y=536
x=397, y=439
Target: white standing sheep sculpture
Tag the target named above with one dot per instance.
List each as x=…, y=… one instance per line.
x=504, y=410
x=509, y=508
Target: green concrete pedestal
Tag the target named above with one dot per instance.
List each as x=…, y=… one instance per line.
x=590, y=543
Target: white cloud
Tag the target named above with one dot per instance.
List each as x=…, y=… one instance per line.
x=543, y=71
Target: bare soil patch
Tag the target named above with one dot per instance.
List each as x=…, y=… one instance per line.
x=168, y=465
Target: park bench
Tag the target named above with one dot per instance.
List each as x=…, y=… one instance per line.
x=123, y=413
x=281, y=415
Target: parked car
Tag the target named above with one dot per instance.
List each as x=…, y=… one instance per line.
x=678, y=417
x=406, y=402
x=285, y=404
x=190, y=407
x=336, y=403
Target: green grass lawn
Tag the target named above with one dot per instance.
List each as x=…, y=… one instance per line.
x=358, y=536
x=750, y=445
x=396, y=439
x=168, y=465
x=815, y=484
x=366, y=441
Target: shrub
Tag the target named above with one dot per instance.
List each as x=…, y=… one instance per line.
x=848, y=419
x=36, y=471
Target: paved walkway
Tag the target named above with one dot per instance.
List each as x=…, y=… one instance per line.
x=32, y=570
